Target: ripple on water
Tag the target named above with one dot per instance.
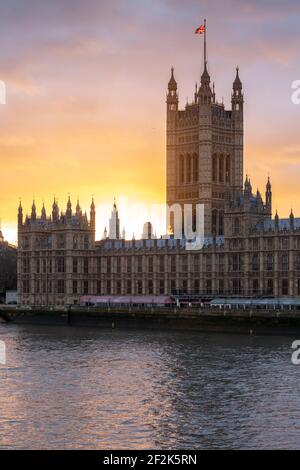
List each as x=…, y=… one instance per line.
x=82, y=388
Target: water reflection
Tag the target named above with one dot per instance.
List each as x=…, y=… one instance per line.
x=83, y=388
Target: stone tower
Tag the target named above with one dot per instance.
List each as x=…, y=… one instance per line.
x=114, y=223
x=205, y=150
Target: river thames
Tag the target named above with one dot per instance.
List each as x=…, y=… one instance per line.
x=76, y=388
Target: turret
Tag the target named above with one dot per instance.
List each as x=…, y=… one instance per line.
x=114, y=223
x=196, y=93
x=259, y=200
x=237, y=116
x=276, y=219
x=20, y=215
x=172, y=96
x=78, y=208
x=43, y=213
x=69, y=208
x=247, y=187
x=269, y=197
x=291, y=220
x=237, y=98
x=147, y=231
x=55, y=211
x=93, y=215
x=205, y=94
x=33, y=212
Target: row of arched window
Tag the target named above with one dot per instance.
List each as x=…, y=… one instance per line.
x=188, y=168
x=221, y=169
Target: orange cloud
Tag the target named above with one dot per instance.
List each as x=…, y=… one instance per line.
x=86, y=87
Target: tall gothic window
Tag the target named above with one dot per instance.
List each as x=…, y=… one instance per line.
x=270, y=286
x=188, y=169
x=194, y=218
x=269, y=262
x=214, y=221
x=214, y=169
x=75, y=242
x=255, y=286
x=228, y=169
x=236, y=226
x=221, y=223
x=221, y=169
x=285, y=262
x=181, y=169
x=255, y=262
x=195, y=168
x=284, y=286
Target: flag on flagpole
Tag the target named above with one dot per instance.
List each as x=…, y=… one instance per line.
x=200, y=30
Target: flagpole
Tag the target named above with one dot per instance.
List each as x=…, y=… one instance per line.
x=204, y=43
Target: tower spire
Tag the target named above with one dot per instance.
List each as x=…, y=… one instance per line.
x=114, y=223
x=93, y=214
x=20, y=215
x=205, y=94
x=202, y=30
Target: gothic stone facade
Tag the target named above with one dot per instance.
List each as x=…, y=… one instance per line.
x=246, y=252
x=205, y=150
x=54, y=255
x=59, y=260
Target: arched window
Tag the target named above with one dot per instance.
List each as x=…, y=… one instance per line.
x=228, y=170
x=214, y=221
x=181, y=169
x=86, y=242
x=214, y=169
x=255, y=286
x=236, y=226
x=75, y=242
x=221, y=169
x=221, y=223
x=194, y=218
x=188, y=169
x=270, y=287
x=195, y=168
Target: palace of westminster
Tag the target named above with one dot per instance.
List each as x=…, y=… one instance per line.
x=245, y=253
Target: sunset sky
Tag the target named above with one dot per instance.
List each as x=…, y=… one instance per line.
x=86, y=84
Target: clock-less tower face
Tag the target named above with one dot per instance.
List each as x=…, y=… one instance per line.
x=204, y=151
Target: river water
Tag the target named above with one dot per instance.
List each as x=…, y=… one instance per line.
x=75, y=388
